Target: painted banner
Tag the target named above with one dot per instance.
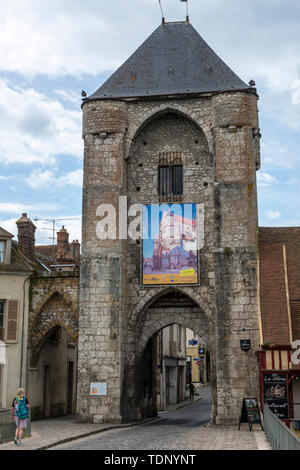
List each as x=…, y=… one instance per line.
x=170, y=255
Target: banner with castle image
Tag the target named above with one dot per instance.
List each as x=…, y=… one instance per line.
x=170, y=255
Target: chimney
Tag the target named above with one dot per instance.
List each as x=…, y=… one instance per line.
x=63, y=249
x=75, y=249
x=26, y=238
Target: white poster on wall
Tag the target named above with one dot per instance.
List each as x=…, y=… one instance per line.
x=98, y=389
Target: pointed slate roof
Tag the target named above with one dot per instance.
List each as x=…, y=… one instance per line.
x=173, y=60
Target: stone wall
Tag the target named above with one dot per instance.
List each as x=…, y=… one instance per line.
x=217, y=137
x=53, y=304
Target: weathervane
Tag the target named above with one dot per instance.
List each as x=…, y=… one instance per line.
x=187, y=10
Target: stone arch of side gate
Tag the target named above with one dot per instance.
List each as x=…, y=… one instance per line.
x=149, y=321
x=55, y=310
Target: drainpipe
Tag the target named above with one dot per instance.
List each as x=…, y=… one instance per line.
x=23, y=332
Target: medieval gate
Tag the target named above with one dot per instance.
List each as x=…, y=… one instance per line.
x=180, y=128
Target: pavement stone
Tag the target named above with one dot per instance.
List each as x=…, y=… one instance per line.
x=180, y=428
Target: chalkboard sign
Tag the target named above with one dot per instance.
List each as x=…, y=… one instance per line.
x=250, y=413
x=276, y=394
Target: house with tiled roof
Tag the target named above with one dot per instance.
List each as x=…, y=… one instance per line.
x=279, y=313
x=38, y=320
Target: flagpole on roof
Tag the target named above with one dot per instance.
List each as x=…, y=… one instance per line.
x=162, y=13
x=187, y=11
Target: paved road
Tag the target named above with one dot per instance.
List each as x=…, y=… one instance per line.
x=184, y=429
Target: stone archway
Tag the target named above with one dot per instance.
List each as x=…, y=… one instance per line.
x=55, y=310
x=172, y=307
x=53, y=338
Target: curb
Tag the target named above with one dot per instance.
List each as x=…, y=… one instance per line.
x=190, y=403
x=90, y=433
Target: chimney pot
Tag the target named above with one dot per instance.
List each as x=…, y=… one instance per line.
x=26, y=236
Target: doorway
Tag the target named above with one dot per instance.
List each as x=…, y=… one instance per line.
x=70, y=387
x=47, y=390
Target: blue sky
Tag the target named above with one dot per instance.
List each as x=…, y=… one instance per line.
x=50, y=51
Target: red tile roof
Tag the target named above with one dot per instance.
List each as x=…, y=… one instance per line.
x=273, y=289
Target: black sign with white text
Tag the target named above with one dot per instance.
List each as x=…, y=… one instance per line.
x=276, y=395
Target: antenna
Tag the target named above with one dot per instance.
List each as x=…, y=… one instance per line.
x=162, y=13
x=53, y=221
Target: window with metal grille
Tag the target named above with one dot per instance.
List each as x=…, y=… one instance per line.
x=170, y=174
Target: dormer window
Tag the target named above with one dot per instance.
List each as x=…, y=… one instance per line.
x=2, y=251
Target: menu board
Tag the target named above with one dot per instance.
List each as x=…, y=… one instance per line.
x=250, y=412
x=276, y=395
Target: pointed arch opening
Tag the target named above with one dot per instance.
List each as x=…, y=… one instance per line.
x=171, y=328
x=53, y=359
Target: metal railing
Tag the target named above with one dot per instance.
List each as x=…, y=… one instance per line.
x=279, y=435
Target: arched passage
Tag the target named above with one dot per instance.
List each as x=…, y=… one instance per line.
x=53, y=358
x=172, y=307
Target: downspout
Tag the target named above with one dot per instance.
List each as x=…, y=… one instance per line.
x=23, y=321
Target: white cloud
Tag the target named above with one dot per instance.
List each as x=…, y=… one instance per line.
x=296, y=92
x=274, y=154
x=17, y=208
x=70, y=96
x=39, y=179
x=74, y=178
x=273, y=215
x=264, y=179
x=35, y=128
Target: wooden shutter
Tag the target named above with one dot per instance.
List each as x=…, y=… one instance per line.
x=12, y=321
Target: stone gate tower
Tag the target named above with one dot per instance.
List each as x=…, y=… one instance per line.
x=173, y=98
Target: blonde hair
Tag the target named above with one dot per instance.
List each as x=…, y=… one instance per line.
x=21, y=392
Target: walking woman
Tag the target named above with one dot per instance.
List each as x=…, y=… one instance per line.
x=19, y=413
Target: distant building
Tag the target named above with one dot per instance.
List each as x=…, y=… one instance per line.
x=39, y=320
x=15, y=271
x=171, y=363
x=198, y=360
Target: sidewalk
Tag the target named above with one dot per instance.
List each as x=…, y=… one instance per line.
x=48, y=432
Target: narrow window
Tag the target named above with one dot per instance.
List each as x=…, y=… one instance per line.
x=170, y=174
x=1, y=320
x=2, y=251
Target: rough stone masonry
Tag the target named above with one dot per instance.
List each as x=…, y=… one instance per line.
x=164, y=99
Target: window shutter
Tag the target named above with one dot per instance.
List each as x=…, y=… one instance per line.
x=12, y=321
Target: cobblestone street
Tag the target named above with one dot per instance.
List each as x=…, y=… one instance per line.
x=184, y=429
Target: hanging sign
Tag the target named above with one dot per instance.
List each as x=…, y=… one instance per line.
x=246, y=345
